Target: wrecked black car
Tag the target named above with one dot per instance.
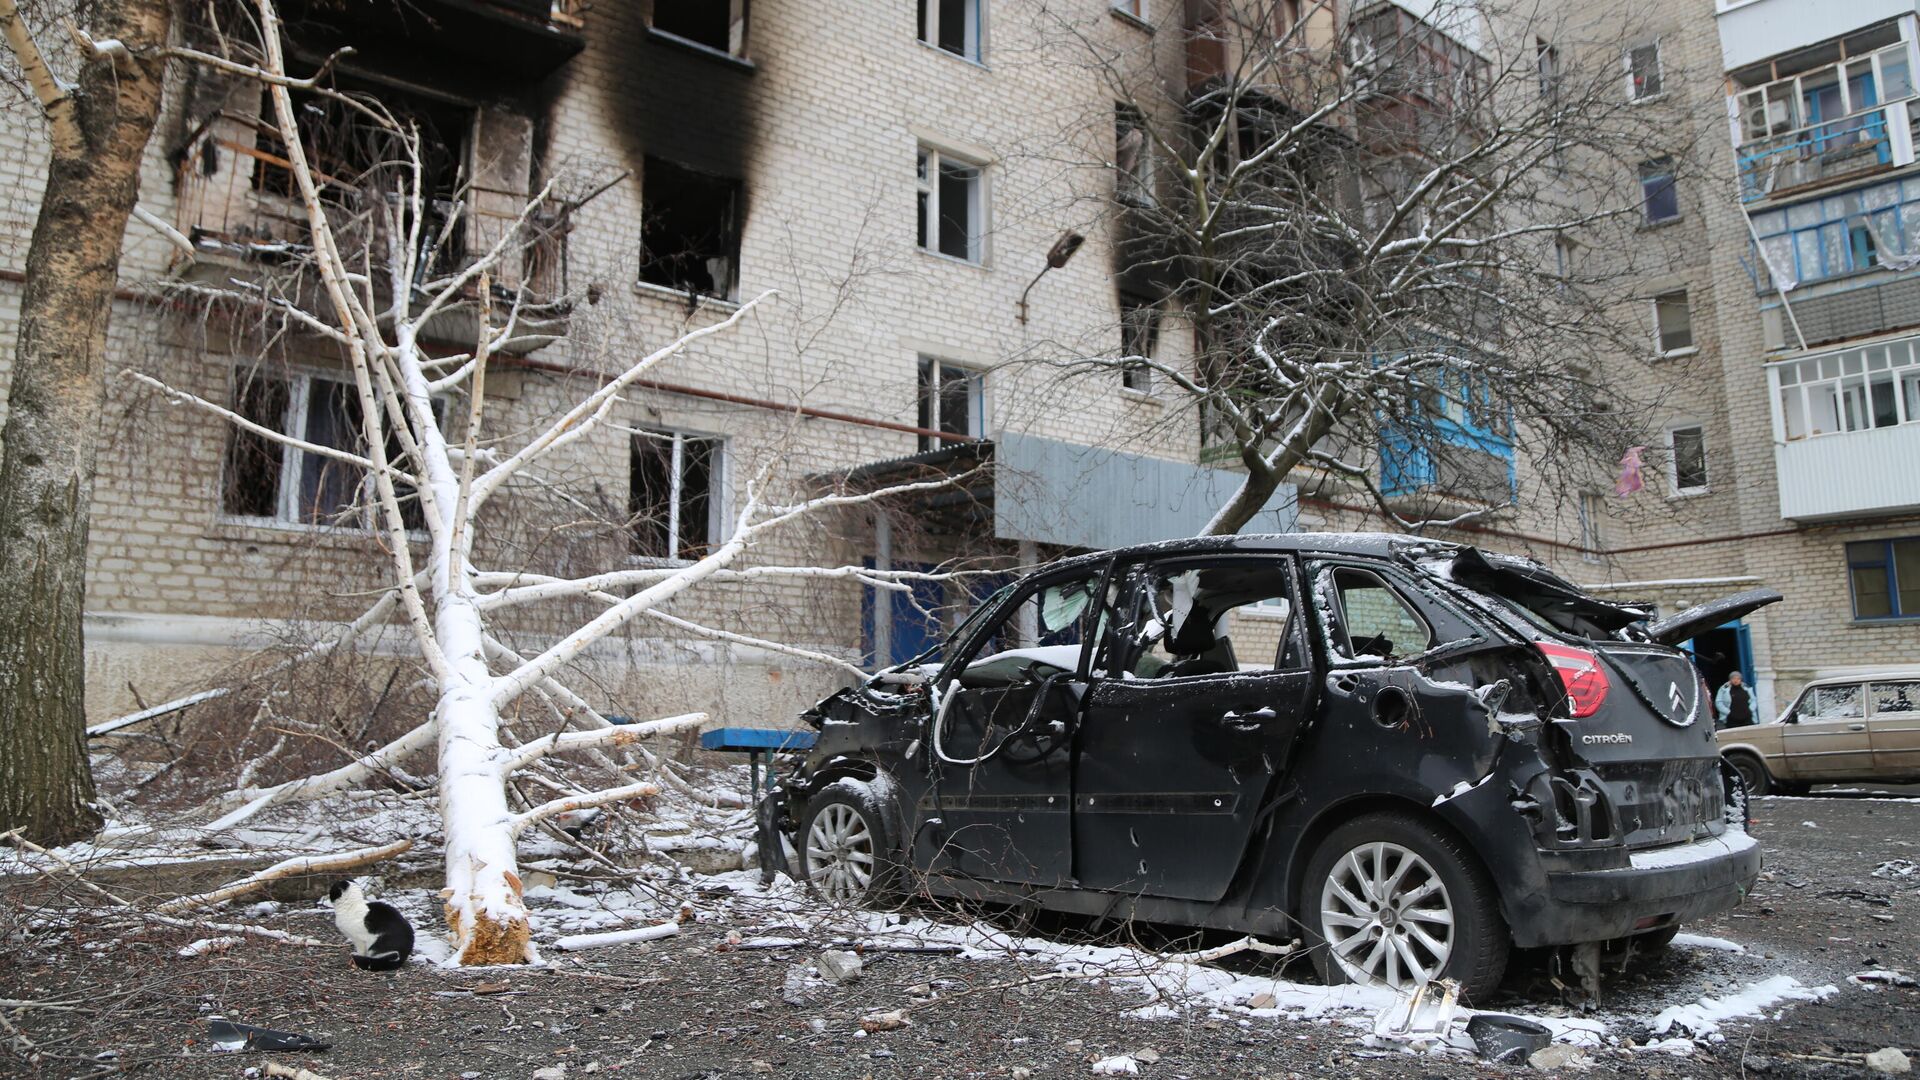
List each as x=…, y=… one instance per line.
x=1414, y=756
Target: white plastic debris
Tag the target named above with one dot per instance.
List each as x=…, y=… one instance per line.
x=1118, y=1065
x=1423, y=1017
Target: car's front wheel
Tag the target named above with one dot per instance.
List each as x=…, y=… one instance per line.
x=846, y=845
x=1392, y=901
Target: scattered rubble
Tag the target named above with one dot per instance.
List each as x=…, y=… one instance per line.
x=839, y=966
x=1890, y=1061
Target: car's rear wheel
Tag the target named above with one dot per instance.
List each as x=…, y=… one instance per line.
x=846, y=846
x=1753, y=773
x=1392, y=901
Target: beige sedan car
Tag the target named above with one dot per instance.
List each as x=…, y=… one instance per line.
x=1839, y=730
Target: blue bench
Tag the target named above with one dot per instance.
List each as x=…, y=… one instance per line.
x=756, y=741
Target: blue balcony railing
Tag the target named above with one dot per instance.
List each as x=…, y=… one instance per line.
x=1820, y=153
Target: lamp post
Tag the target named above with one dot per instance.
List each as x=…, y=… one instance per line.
x=1057, y=257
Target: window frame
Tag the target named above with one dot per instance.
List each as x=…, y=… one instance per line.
x=928, y=32
x=1546, y=64
x=1886, y=561
x=1587, y=505
x=928, y=398
x=1685, y=304
x=1673, y=461
x=716, y=494
x=1799, y=383
x=1649, y=173
x=927, y=190
x=1114, y=649
x=286, y=514
x=1340, y=636
x=1139, y=314
x=1134, y=186
x=739, y=15
x=1659, y=79
x=1896, y=215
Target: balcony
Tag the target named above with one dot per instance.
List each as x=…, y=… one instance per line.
x=1852, y=146
x=1846, y=431
x=1751, y=32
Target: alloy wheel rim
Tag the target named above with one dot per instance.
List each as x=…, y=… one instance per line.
x=1386, y=917
x=840, y=853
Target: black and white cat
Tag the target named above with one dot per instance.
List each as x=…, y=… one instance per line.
x=382, y=938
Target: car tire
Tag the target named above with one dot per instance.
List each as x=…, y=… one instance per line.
x=848, y=853
x=1753, y=773
x=1442, y=911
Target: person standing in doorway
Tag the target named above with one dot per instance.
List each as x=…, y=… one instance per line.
x=1734, y=703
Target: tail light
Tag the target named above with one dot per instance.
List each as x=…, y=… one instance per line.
x=1580, y=672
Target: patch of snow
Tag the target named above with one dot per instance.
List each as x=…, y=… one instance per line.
x=1705, y=1016
x=1701, y=941
x=1118, y=1065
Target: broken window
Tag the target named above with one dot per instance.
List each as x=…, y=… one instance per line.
x=1884, y=577
x=720, y=25
x=1135, y=8
x=1139, y=337
x=1214, y=618
x=952, y=25
x=1374, y=620
x=352, y=156
x=268, y=480
x=689, y=230
x=1132, y=157
x=1687, y=459
x=1673, y=322
x=1643, y=71
x=952, y=400
x=951, y=205
x=672, y=508
x=1658, y=195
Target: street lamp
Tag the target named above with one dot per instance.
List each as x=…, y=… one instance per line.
x=1057, y=257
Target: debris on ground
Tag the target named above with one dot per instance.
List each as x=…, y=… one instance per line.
x=1508, y=1040
x=838, y=966
x=1118, y=1065
x=890, y=1020
x=1890, y=1061
x=1555, y=1056
x=245, y=1038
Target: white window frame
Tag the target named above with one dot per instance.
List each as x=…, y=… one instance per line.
x=1844, y=379
x=1565, y=251
x=975, y=45
x=1138, y=379
x=1659, y=70
x=927, y=184
x=286, y=511
x=1673, y=461
x=1546, y=64
x=976, y=381
x=716, y=492
x=1588, y=506
x=1660, y=349
x=1132, y=9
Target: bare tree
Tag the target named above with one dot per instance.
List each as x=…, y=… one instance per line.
x=97, y=127
x=1378, y=225
x=368, y=275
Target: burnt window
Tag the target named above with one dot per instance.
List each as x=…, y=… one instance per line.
x=952, y=400
x=268, y=480
x=672, y=508
x=1139, y=337
x=351, y=157
x=689, y=230
x=952, y=26
x=720, y=25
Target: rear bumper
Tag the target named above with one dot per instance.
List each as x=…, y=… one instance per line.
x=1682, y=883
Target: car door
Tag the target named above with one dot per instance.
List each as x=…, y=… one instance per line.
x=1198, y=695
x=1893, y=725
x=1826, y=737
x=1000, y=801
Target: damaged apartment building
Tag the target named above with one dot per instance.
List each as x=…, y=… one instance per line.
x=878, y=171
x=1790, y=324
x=892, y=175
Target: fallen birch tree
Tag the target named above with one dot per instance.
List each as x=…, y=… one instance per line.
x=378, y=292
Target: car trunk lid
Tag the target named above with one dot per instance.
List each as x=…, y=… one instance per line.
x=1683, y=625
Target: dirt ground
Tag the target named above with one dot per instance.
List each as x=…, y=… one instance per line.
x=107, y=1003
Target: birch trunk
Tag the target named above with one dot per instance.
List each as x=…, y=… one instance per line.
x=98, y=130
